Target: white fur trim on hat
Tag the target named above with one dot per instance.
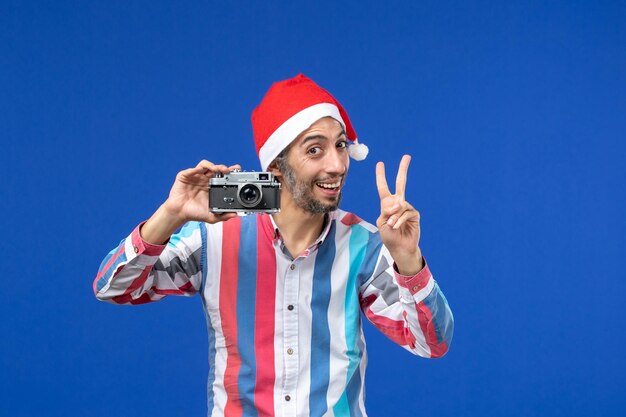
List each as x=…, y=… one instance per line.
x=296, y=124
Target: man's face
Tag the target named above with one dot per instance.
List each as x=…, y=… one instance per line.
x=315, y=169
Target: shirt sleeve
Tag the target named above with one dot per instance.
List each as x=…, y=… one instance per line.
x=411, y=311
x=138, y=272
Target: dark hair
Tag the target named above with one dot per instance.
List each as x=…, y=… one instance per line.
x=281, y=161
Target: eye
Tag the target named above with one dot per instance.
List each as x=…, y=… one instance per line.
x=315, y=150
x=342, y=144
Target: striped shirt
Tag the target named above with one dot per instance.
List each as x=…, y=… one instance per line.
x=285, y=336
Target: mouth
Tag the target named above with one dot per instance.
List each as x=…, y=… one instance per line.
x=330, y=188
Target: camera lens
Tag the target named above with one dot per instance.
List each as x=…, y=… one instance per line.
x=249, y=195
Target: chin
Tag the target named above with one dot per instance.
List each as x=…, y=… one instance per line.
x=317, y=206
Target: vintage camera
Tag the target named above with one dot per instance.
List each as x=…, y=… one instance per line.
x=244, y=192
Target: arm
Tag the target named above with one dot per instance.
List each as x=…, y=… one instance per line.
x=410, y=310
x=148, y=265
x=138, y=272
x=403, y=299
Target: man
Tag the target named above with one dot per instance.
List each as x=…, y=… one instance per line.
x=283, y=293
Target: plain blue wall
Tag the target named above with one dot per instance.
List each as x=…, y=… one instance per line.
x=514, y=113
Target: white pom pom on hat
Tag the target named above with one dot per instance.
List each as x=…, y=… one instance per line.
x=289, y=108
x=358, y=151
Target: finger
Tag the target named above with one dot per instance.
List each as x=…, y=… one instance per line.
x=205, y=164
x=211, y=166
x=190, y=172
x=390, y=213
x=222, y=168
x=225, y=216
x=409, y=216
x=220, y=217
x=381, y=181
x=233, y=167
x=393, y=205
x=203, y=167
x=402, y=174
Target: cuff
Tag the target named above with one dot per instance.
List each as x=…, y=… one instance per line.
x=141, y=247
x=417, y=282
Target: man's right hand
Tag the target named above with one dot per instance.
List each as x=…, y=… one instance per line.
x=188, y=201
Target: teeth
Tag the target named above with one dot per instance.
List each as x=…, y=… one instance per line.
x=334, y=185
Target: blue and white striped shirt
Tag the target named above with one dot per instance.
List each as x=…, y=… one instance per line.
x=285, y=336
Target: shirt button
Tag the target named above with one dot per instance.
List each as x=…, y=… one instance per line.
x=290, y=351
x=136, y=249
x=292, y=267
x=289, y=307
x=415, y=288
x=287, y=398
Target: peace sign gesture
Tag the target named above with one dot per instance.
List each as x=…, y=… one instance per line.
x=399, y=222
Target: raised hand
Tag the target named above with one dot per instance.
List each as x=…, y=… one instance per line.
x=188, y=200
x=399, y=222
x=189, y=196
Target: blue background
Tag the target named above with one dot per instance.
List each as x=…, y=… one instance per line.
x=514, y=112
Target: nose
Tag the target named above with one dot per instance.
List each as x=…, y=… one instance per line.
x=337, y=162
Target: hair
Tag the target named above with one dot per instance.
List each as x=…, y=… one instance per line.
x=281, y=161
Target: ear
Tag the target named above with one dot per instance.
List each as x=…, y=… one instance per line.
x=273, y=169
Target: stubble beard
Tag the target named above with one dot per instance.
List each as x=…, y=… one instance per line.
x=302, y=192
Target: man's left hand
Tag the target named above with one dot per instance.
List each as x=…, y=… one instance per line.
x=399, y=222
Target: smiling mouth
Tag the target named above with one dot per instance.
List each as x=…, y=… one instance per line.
x=329, y=186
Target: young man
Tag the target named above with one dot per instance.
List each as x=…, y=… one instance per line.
x=283, y=293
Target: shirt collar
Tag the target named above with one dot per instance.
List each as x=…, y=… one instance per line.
x=274, y=232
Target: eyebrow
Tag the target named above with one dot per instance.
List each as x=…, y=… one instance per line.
x=320, y=137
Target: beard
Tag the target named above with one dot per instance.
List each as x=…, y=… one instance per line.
x=302, y=192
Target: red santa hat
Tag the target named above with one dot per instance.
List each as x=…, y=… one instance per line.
x=289, y=108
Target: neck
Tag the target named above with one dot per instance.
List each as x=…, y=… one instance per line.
x=298, y=228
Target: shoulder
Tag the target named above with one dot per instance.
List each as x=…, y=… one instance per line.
x=356, y=231
x=361, y=240
x=347, y=221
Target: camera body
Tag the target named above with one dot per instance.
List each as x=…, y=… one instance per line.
x=244, y=192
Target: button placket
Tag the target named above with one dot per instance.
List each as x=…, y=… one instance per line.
x=290, y=332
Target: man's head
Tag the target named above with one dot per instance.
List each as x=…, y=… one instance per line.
x=313, y=168
x=304, y=135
